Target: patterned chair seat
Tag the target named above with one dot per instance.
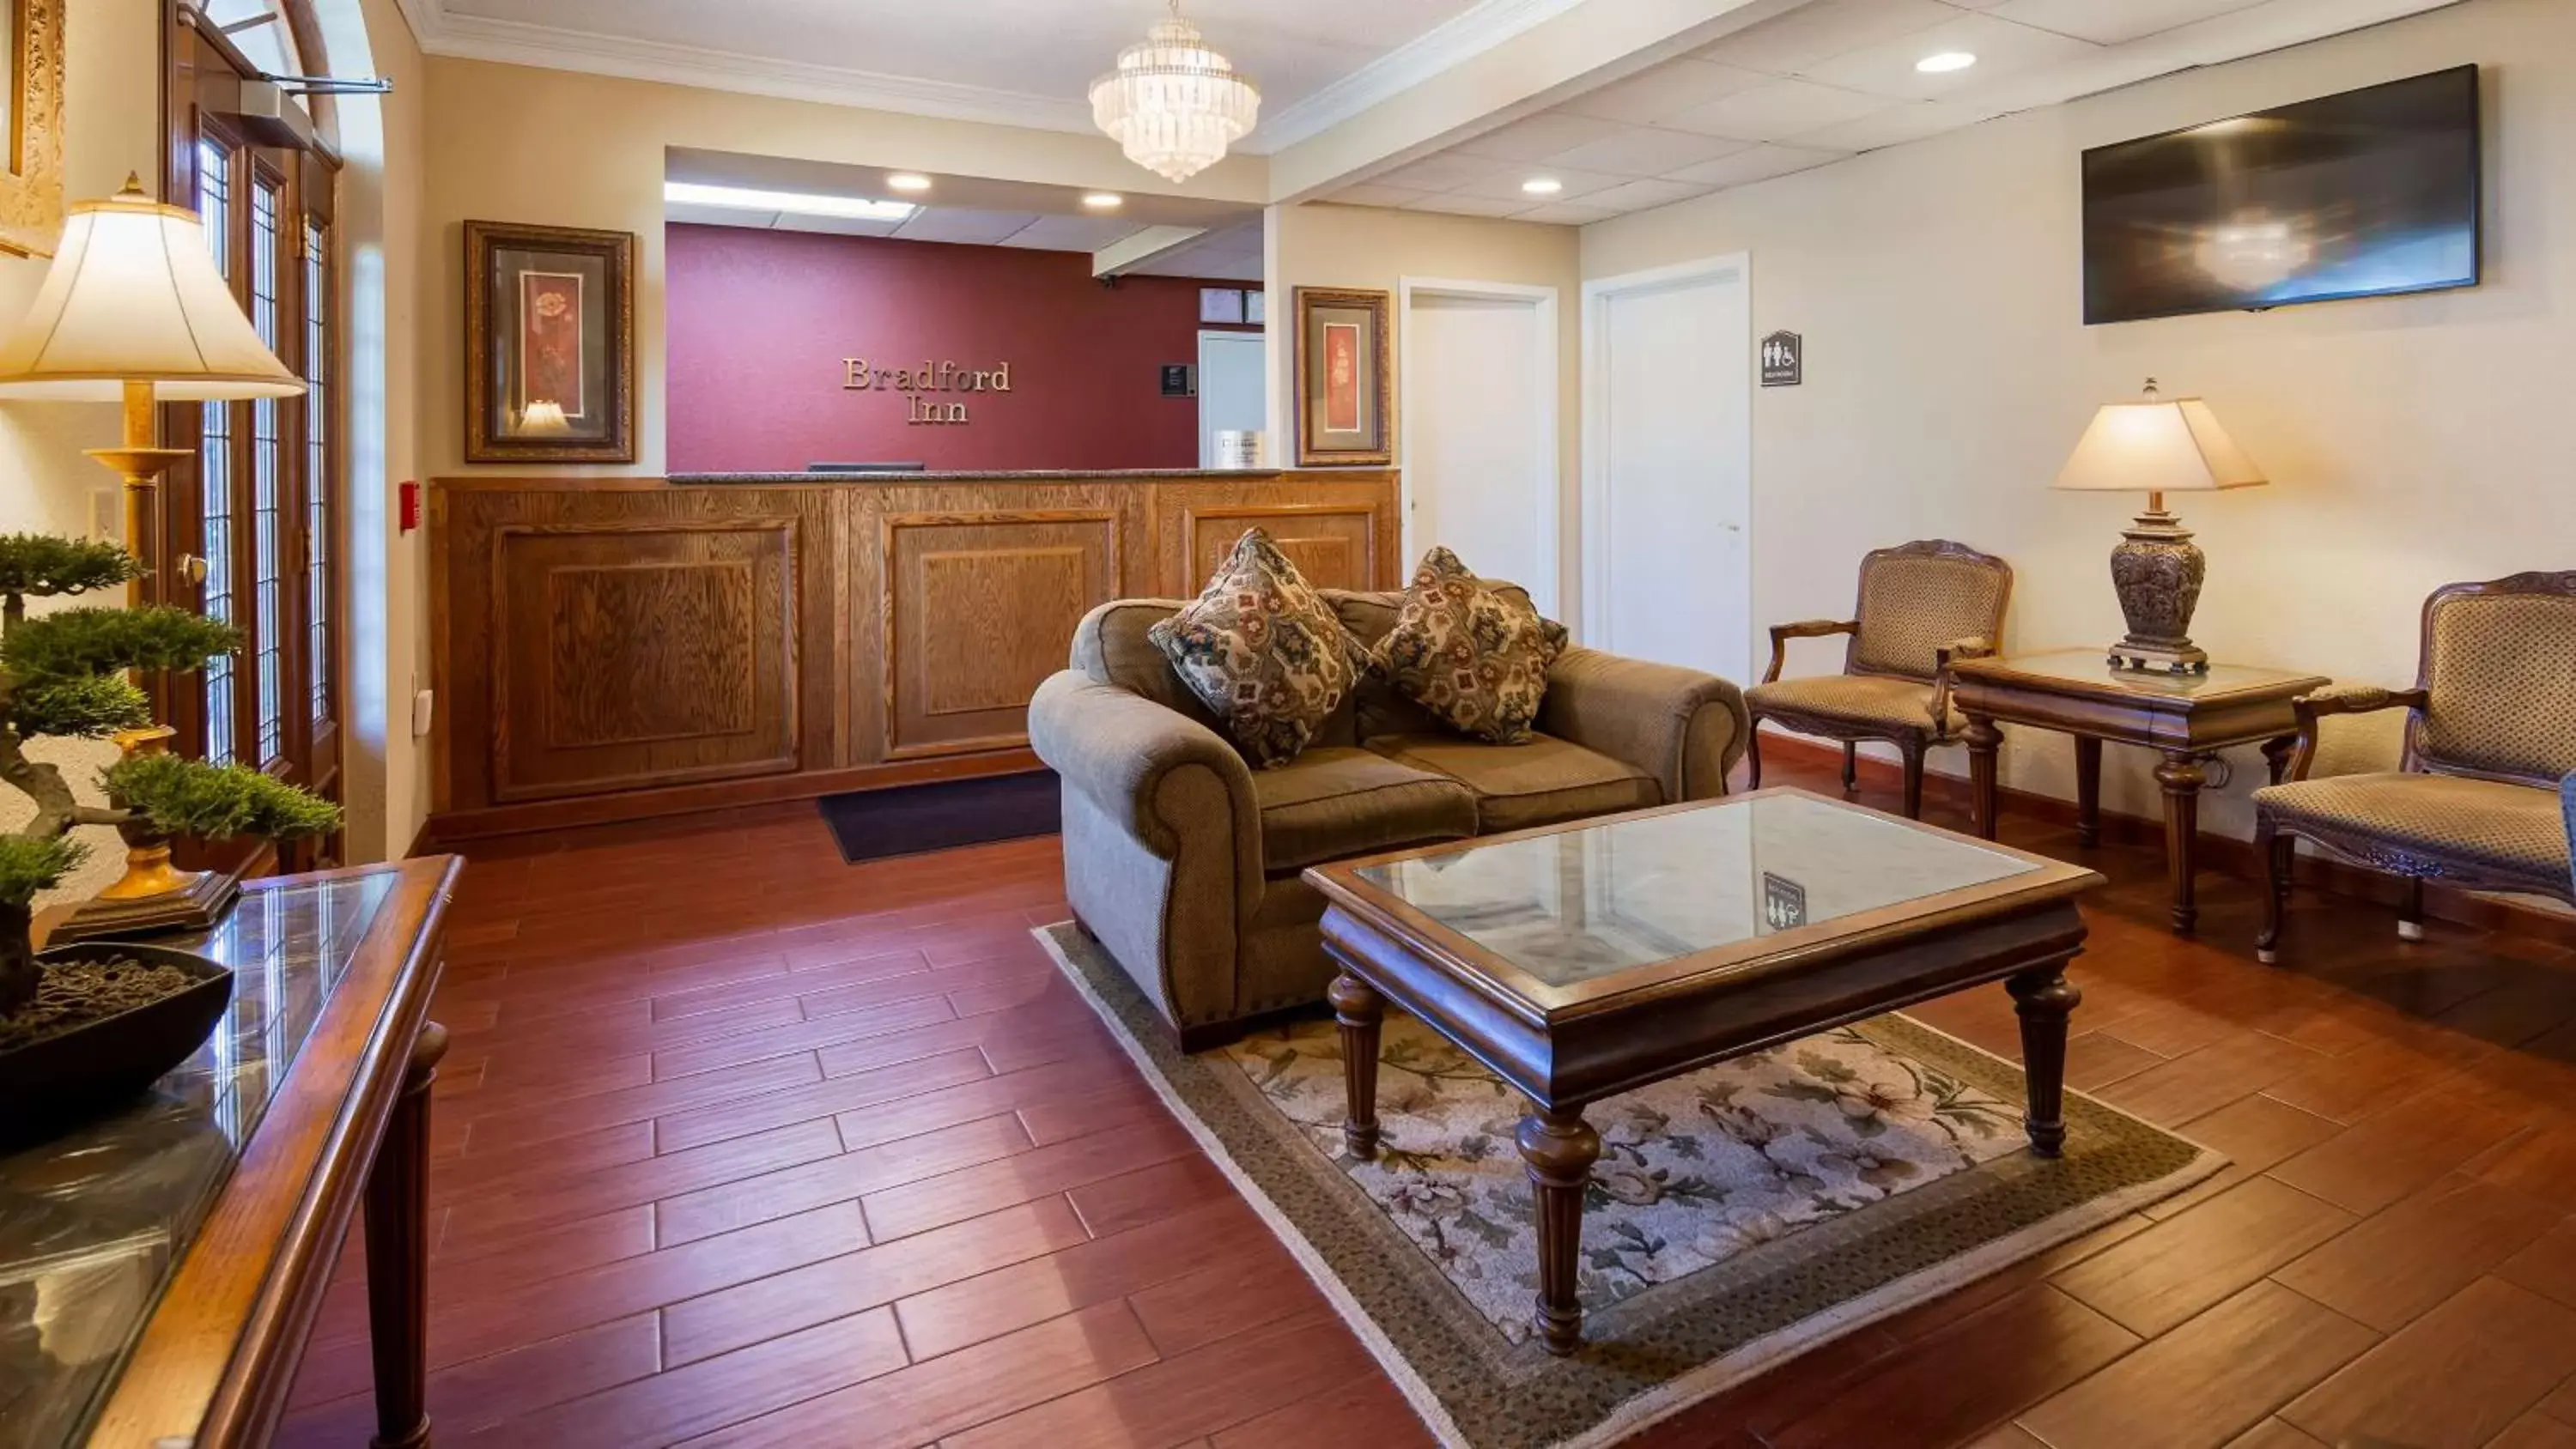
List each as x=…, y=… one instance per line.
x=2416, y=824
x=1882, y=702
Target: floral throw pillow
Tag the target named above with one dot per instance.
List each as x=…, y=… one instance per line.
x=1263, y=651
x=1473, y=654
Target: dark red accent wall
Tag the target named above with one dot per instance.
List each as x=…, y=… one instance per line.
x=761, y=321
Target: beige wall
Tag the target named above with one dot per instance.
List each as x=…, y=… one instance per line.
x=1322, y=245
x=2411, y=441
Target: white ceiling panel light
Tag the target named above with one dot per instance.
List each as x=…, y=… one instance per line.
x=1103, y=200
x=909, y=182
x=1943, y=62
x=1542, y=186
x=796, y=203
x=2002, y=50
x=1172, y=103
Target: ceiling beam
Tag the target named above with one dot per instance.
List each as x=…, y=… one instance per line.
x=1138, y=248
x=1582, y=47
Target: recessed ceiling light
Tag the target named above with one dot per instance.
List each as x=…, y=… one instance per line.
x=1945, y=62
x=1104, y=200
x=1542, y=186
x=744, y=198
x=908, y=181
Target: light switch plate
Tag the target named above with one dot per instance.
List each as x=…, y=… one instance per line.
x=421, y=706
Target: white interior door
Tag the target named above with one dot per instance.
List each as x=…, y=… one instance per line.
x=1231, y=379
x=1668, y=464
x=1480, y=456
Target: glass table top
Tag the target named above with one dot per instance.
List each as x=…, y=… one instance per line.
x=93, y=1223
x=1583, y=905
x=2093, y=667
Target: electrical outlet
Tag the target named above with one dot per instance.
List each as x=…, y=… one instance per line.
x=421, y=705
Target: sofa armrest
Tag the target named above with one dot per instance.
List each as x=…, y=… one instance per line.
x=1120, y=749
x=2341, y=699
x=1685, y=728
x=1781, y=634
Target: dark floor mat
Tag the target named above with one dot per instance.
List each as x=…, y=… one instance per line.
x=908, y=819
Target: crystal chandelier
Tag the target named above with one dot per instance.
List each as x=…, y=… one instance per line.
x=1173, y=105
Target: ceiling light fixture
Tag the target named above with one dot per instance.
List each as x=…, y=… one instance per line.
x=1173, y=105
x=908, y=181
x=1542, y=186
x=1945, y=62
x=1104, y=201
x=744, y=198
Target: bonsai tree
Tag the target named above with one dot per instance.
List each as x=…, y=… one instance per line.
x=65, y=674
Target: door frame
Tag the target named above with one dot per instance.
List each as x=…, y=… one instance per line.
x=1594, y=622
x=1544, y=592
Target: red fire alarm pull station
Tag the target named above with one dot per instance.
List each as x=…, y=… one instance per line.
x=407, y=504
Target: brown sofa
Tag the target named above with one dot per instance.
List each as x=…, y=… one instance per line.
x=1183, y=860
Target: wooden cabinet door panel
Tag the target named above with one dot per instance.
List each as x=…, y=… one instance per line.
x=979, y=609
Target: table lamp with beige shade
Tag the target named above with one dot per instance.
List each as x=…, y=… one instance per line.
x=2158, y=445
x=135, y=311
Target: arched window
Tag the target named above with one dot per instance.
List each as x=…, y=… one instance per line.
x=251, y=528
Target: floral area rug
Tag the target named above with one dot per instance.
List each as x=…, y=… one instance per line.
x=1738, y=1215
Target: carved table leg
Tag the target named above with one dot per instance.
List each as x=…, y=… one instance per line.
x=2181, y=775
x=1558, y=1147
x=1983, y=740
x=2044, y=999
x=1360, y=1010
x=1851, y=766
x=2088, y=791
x=397, y=1208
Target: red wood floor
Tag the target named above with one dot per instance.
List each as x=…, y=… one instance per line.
x=740, y=1145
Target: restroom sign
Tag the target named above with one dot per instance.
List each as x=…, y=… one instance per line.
x=1784, y=360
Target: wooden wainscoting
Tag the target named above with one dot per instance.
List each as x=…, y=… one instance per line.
x=617, y=648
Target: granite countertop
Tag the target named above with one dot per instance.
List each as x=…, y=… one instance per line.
x=1000, y=475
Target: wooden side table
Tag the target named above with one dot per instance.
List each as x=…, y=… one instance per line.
x=2186, y=718
x=160, y=1268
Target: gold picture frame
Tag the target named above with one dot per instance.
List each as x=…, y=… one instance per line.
x=31, y=133
x=1345, y=378
x=549, y=344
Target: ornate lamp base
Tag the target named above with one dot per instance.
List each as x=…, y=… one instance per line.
x=2157, y=571
x=151, y=897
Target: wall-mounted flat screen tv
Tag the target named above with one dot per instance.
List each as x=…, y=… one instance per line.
x=2362, y=194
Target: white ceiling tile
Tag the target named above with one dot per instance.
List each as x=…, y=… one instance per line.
x=1823, y=28
x=963, y=224
x=1371, y=193
x=2108, y=22
x=1571, y=184
x=1640, y=195
x=717, y=215
x=835, y=225
x=1645, y=151
x=2002, y=49
x=1539, y=137
x=1568, y=213
x=1458, y=205
x=1071, y=233
x=1898, y=124
x=1664, y=90
x=1446, y=171
x=1776, y=110
x=1758, y=164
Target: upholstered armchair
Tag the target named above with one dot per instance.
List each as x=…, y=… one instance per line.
x=2490, y=733
x=1921, y=606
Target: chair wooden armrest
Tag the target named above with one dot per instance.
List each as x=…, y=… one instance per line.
x=2342, y=699
x=1781, y=634
x=1974, y=646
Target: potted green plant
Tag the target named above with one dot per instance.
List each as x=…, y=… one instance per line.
x=89, y=1023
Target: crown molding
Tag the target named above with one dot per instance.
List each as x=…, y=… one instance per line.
x=1461, y=38
x=511, y=42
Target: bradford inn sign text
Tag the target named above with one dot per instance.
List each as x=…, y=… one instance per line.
x=925, y=385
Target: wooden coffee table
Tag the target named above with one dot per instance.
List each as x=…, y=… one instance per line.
x=1583, y=960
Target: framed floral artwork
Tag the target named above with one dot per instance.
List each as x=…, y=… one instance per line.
x=31, y=130
x=549, y=344
x=1345, y=378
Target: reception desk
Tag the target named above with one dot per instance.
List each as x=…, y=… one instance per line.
x=615, y=648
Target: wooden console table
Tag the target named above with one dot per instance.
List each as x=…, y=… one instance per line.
x=159, y=1269
x=2186, y=718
